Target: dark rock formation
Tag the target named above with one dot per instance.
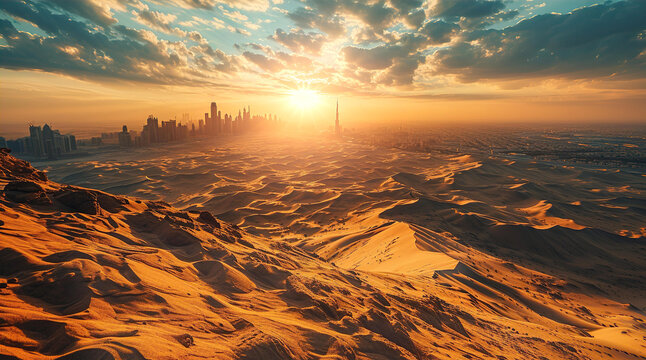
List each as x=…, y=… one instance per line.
x=79, y=200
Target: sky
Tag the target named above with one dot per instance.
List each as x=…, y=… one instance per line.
x=98, y=64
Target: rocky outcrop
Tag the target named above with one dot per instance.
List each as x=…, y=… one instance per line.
x=11, y=167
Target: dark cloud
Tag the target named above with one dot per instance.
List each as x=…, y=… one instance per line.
x=330, y=16
x=377, y=58
x=78, y=49
x=208, y=58
x=406, y=6
x=437, y=32
x=399, y=59
x=299, y=41
x=402, y=72
x=410, y=11
x=599, y=40
x=156, y=20
x=482, y=22
x=329, y=23
x=88, y=9
x=395, y=64
x=466, y=8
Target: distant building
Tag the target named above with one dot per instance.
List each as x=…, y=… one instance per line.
x=211, y=122
x=218, y=122
x=36, y=141
x=153, y=129
x=42, y=143
x=214, y=123
x=125, y=139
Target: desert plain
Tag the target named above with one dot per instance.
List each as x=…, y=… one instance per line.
x=306, y=247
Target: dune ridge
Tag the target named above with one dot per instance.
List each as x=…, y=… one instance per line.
x=356, y=253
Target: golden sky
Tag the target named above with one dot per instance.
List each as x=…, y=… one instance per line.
x=89, y=65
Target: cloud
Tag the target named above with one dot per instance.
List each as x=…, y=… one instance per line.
x=466, y=8
x=240, y=31
x=402, y=72
x=379, y=57
x=332, y=16
x=299, y=41
x=264, y=62
x=234, y=15
x=395, y=62
x=96, y=11
x=214, y=22
x=277, y=62
x=391, y=64
x=78, y=49
x=162, y=22
x=600, y=40
x=308, y=18
x=252, y=5
x=437, y=32
x=155, y=19
x=367, y=45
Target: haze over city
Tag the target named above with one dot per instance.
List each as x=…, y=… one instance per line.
x=322, y=179
x=515, y=61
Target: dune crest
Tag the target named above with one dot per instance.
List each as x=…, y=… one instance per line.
x=393, y=270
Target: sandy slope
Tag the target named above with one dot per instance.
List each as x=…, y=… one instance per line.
x=342, y=252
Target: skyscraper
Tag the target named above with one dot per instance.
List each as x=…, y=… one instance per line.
x=48, y=142
x=124, y=137
x=214, y=115
x=218, y=123
x=153, y=127
x=36, y=140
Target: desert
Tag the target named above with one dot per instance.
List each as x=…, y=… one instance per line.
x=365, y=253
x=322, y=179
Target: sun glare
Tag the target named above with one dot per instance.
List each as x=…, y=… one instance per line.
x=304, y=99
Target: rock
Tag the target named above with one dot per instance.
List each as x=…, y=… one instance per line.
x=208, y=218
x=12, y=281
x=23, y=186
x=3, y=285
x=37, y=198
x=110, y=203
x=26, y=192
x=79, y=200
x=185, y=339
x=13, y=168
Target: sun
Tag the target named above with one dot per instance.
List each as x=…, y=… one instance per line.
x=304, y=99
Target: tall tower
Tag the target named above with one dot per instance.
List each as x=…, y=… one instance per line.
x=212, y=125
x=337, y=127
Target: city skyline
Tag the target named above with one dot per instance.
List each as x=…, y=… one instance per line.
x=45, y=142
x=51, y=144
x=432, y=61
x=322, y=179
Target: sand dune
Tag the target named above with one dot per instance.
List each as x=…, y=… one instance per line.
x=310, y=249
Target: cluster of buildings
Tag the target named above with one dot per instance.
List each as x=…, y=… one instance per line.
x=42, y=143
x=47, y=143
x=214, y=123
